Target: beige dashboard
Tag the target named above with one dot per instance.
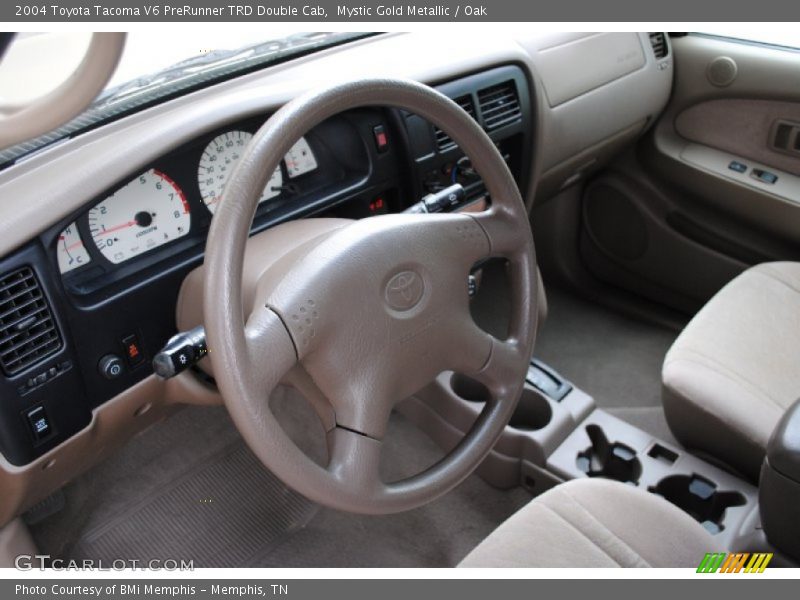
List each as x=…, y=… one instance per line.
x=48, y=186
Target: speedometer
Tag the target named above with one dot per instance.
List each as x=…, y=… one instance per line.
x=217, y=162
x=148, y=212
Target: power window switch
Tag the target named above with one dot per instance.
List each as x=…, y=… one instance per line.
x=735, y=165
x=764, y=176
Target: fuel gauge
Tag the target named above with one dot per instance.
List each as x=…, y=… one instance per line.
x=71, y=251
x=300, y=159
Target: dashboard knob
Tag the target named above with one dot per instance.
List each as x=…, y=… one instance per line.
x=111, y=366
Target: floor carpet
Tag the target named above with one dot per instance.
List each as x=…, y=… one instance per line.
x=190, y=489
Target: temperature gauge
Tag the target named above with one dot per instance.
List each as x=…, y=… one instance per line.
x=71, y=251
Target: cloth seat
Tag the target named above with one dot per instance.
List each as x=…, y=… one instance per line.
x=595, y=523
x=733, y=371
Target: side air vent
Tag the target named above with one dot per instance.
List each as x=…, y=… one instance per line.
x=499, y=105
x=443, y=141
x=28, y=332
x=658, y=41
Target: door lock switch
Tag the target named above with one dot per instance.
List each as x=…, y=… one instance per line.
x=735, y=165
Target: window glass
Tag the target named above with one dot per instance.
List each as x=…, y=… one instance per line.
x=786, y=39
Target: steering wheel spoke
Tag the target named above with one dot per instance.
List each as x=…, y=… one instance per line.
x=355, y=461
x=505, y=369
x=458, y=236
x=269, y=354
x=501, y=230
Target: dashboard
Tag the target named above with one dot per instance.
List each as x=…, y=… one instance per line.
x=108, y=275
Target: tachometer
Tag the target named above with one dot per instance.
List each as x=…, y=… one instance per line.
x=148, y=212
x=70, y=251
x=217, y=162
x=300, y=159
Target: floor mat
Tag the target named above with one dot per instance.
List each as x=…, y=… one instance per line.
x=150, y=501
x=438, y=534
x=224, y=513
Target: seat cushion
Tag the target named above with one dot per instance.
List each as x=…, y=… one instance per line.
x=733, y=371
x=595, y=523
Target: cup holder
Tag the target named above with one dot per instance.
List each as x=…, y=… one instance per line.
x=532, y=413
x=698, y=497
x=469, y=389
x=612, y=460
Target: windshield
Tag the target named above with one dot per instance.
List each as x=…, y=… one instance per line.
x=148, y=73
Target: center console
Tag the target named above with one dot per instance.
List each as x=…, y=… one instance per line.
x=605, y=446
x=557, y=433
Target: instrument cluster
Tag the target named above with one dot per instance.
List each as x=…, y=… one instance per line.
x=152, y=210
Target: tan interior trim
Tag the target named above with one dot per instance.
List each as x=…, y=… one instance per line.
x=112, y=424
x=741, y=127
x=603, y=57
x=60, y=180
x=86, y=166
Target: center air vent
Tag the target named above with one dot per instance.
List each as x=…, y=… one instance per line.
x=658, y=41
x=443, y=141
x=28, y=332
x=499, y=105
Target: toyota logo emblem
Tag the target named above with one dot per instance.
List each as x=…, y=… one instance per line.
x=404, y=290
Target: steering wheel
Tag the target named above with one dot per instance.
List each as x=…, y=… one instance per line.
x=373, y=312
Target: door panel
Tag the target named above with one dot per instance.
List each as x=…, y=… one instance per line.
x=748, y=128
x=713, y=188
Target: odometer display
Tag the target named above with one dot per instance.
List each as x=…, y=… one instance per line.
x=218, y=160
x=148, y=212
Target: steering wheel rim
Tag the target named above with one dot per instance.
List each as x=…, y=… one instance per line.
x=297, y=319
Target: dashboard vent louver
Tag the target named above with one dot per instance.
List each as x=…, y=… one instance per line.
x=658, y=41
x=499, y=105
x=28, y=332
x=443, y=141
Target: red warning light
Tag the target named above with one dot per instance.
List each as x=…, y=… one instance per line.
x=377, y=205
